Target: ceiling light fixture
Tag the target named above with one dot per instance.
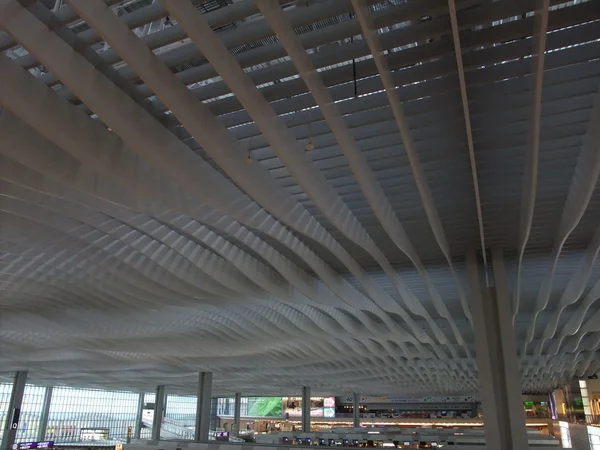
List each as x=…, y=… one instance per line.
x=309, y=146
x=249, y=159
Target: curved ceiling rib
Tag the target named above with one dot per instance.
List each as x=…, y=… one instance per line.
x=468, y=127
x=145, y=141
x=574, y=289
x=580, y=192
x=576, y=321
x=195, y=118
x=376, y=49
x=394, y=327
x=290, y=153
x=358, y=163
x=238, y=11
x=531, y=170
x=256, y=56
x=17, y=145
x=44, y=159
x=206, y=129
x=186, y=271
x=131, y=227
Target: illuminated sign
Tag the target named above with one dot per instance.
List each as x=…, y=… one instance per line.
x=33, y=445
x=594, y=435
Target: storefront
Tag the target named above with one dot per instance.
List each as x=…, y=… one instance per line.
x=270, y=414
x=409, y=407
x=537, y=406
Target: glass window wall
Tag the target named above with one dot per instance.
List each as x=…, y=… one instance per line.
x=180, y=416
x=147, y=415
x=31, y=413
x=5, y=391
x=90, y=414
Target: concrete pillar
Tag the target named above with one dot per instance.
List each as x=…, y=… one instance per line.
x=137, y=432
x=14, y=411
x=203, y=406
x=497, y=362
x=306, y=409
x=356, y=410
x=43, y=428
x=236, y=413
x=159, y=412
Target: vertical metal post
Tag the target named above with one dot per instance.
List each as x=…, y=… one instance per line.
x=43, y=428
x=306, y=409
x=237, y=409
x=137, y=433
x=356, y=411
x=203, y=406
x=14, y=411
x=159, y=407
x=497, y=362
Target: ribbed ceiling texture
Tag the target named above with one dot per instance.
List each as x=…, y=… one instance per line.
x=297, y=193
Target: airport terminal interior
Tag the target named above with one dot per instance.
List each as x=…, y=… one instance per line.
x=285, y=223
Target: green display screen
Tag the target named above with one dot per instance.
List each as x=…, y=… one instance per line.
x=264, y=407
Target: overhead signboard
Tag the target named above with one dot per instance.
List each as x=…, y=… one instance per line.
x=397, y=399
x=35, y=445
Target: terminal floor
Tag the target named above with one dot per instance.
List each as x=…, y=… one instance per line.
x=579, y=437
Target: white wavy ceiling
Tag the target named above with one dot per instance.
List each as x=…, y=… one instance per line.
x=160, y=215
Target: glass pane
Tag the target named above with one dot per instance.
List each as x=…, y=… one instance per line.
x=31, y=413
x=180, y=417
x=5, y=391
x=90, y=414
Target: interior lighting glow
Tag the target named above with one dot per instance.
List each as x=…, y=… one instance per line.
x=565, y=434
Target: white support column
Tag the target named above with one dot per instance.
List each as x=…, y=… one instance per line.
x=41, y=436
x=356, y=410
x=137, y=432
x=497, y=362
x=159, y=410
x=236, y=413
x=203, y=406
x=306, y=409
x=14, y=411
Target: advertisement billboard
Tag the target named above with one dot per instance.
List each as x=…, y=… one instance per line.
x=251, y=406
x=263, y=407
x=319, y=407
